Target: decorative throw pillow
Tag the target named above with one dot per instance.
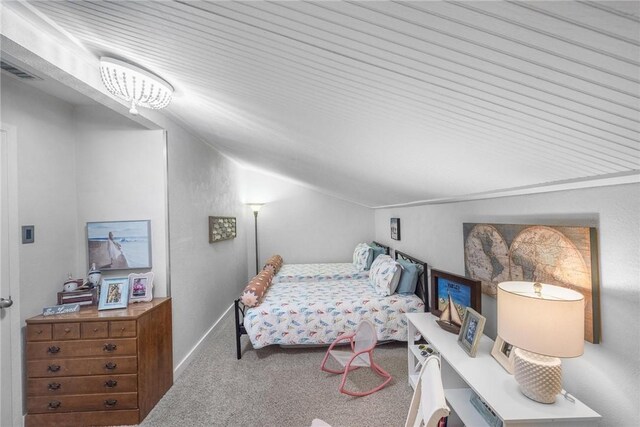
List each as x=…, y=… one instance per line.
x=376, y=251
x=361, y=256
x=276, y=262
x=384, y=275
x=255, y=289
x=409, y=278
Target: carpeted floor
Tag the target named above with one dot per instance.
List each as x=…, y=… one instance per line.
x=279, y=387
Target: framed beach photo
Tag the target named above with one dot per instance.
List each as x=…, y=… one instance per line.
x=140, y=287
x=119, y=245
x=503, y=352
x=114, y=293
x=471, y=331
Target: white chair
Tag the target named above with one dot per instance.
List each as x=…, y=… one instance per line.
x=362, y=343
x=428, y=405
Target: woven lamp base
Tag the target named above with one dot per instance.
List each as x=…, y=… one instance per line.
x=540, y=377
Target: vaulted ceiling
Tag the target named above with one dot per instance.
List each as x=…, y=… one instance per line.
x=385, y=103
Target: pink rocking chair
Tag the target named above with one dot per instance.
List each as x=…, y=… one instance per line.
x=362, y=341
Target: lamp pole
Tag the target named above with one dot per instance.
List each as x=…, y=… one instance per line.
x=255, y=221
x=255, y=207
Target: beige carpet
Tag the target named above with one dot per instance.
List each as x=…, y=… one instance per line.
x=279, y=387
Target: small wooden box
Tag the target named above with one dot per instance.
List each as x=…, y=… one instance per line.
x=82, y=297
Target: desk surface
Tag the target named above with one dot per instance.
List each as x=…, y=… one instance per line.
x=491, y=382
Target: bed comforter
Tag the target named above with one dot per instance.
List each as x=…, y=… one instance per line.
x=318, y=312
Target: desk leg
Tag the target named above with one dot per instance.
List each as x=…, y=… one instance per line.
x=411, y=333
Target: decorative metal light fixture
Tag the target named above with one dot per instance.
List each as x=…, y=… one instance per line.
x=135, y=85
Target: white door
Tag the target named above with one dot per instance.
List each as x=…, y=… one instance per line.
x=10, y=388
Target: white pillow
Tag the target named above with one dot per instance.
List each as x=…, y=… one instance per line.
x=384, y=275
x=361, y=256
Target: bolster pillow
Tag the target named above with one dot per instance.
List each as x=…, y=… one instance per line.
x=275, y=261
x=255, y=289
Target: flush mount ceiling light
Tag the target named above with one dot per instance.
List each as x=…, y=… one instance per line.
x=135, y=85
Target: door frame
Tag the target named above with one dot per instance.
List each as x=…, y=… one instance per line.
x=14, y=272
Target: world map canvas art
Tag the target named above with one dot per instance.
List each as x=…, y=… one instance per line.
x=562, y=256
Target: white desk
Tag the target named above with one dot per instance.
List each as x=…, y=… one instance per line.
x=463, y=375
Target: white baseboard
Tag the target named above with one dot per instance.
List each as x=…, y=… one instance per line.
x=179, y=369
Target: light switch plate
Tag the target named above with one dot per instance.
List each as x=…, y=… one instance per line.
x=28, y=233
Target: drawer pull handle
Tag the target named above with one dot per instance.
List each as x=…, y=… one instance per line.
x=111, y=383
x=110, y=403
x=110, y=347
x=54, y=404
x=53, y=349
x=67, y=330
x=110, y=365
x=54, y=386
x=53, y=368
x=39, y=331
x=95, y=329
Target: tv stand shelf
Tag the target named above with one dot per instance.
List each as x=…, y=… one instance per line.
x=464, y=376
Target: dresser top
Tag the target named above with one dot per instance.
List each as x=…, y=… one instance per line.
x=132, y=312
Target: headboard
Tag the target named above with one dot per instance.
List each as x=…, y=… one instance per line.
x=386, y=248
x=421, y=288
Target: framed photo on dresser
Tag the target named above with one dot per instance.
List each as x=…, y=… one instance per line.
x=114, y=293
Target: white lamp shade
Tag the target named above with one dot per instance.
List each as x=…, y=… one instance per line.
x=550, y=324
x=255, y=207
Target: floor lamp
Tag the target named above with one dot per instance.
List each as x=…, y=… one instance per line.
x=255, y=207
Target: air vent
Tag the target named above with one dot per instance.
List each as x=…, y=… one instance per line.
x=22, y=74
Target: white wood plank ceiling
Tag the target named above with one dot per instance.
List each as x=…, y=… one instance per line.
x=391, y=102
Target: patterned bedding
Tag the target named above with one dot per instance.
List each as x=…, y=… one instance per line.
x=317, y=312
x=319, y=272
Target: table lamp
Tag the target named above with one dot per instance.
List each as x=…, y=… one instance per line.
x=544, y=322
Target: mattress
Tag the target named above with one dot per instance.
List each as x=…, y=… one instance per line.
x=317, y=312
x=319, y=272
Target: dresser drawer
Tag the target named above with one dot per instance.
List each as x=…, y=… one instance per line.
x=83, y=366
x=39, y=332
x=122, y=328
x=81, y=348
x=75, y=402
x=82, y=385
x=66, y=331
x=89, y=330
x=90, y=418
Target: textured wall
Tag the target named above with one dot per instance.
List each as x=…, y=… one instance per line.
x=205, y=277
x=121, y=176
x=607, y=376
x=46, y=191
x=301, y=224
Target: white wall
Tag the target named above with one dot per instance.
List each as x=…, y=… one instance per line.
x=46, y=191
x=302, y=225
x=205, y=277
x=607, y=376
x=121, y=169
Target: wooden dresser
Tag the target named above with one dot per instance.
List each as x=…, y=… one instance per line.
x=95, y=368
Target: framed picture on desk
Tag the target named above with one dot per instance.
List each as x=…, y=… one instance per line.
x=471, y=331
x=503, y=352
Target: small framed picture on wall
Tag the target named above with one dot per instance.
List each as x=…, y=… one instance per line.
x=395, y=228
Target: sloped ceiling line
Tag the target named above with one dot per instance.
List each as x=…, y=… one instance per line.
x=479, y=58
x=573, y=22
x=549, y=66
x=528, y=45
x=404, y=74
x=560, y=105
x=454, y=99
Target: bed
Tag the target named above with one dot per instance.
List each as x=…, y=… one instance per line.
x=316, y=312
x=322, y=272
